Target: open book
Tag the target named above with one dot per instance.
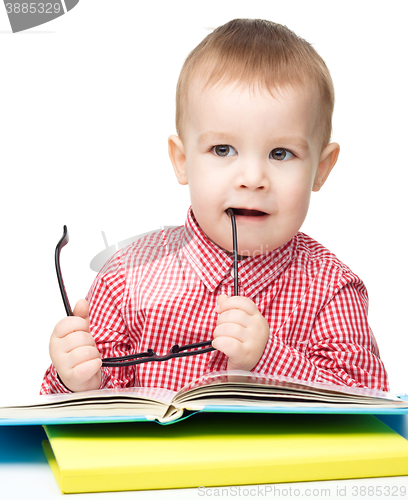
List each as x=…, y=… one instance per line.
x=224, y=391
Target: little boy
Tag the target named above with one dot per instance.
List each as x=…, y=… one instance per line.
x=253, y=114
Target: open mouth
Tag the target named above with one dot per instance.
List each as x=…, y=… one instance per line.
x=247, y=212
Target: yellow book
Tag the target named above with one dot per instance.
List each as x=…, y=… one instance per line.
x=215, y=449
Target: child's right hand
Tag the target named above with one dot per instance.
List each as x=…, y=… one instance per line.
x=74, y=353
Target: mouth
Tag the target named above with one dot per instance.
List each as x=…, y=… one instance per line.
x=246, y=212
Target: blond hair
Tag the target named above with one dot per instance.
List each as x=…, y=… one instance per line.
x=255, y=52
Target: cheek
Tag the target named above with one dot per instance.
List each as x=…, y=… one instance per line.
x=296, y=187
x=295, y=198
x=206, y=185
x=203, y=193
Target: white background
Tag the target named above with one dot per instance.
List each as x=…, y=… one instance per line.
x=86, y=106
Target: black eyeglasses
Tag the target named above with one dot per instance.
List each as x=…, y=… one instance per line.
x=145, y=357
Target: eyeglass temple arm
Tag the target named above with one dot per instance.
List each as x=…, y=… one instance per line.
x=62, y=242
x=235, y=249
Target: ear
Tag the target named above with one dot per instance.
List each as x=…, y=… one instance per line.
x=328, y=159
x=178, y=158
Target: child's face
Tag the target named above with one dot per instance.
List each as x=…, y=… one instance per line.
x=255, y=153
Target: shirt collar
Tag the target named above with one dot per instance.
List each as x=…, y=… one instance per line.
x=212, y=264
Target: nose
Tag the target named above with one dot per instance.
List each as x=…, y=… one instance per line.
x=253, y=175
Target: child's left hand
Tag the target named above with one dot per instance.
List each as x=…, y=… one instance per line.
x=241, y=333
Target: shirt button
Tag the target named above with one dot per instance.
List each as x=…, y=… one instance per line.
x=232, y=273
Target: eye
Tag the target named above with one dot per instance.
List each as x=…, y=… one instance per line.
x=223, y=150
x=281, y=154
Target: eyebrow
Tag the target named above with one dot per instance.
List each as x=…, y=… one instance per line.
x=215, y=136
x=298, y=142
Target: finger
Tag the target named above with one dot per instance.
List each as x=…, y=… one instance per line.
x=70, y=324
x=222, y=298
x=230, y=330
x=75, y=340
x=236, y=316
x=237, y=302
x=86, y=370
x=81, y=355
x=231, y=347
x=81, y=309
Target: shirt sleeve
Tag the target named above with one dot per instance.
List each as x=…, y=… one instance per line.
x=51, y=383
x=108, y=327
x=341, y=348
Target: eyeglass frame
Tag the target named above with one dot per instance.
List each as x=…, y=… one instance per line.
x=176, y=351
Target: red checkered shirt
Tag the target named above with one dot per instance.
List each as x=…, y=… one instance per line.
x=162, y=290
